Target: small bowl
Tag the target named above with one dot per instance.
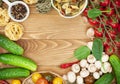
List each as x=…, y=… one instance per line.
x=28, y=80
x=15, y=3
x=85, y=5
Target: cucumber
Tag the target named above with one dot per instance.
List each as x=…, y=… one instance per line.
x=105, y=79
x=19, y=61
x=115, y=62
x=10, y=45
x=10, y=73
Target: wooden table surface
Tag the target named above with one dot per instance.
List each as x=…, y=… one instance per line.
x=50, y=39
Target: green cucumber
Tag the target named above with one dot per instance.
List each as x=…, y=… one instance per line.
x=19, y=61
x=115, y=62
x=10, y=73
x=10, y=45
x=105, y=79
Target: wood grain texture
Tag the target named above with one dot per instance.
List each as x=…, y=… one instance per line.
x=50, y=52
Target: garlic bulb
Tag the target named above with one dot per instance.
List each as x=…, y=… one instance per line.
x=96, y=75
x=83, y=63
x=98, y=64
x=92, y=68
x=79, y=80
x=84, y=73
x=105, y=58
x=91, y=59
x=75, y=68
x=89, y=45
x=90, y=33
x=71, y=77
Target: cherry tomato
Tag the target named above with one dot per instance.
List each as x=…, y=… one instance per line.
x=112, y=34
x=109, y=50
x=16, y=82
x=113, y=24
x=93, y=22
x=36, y=76
x=41, y=81
x=57, y=80
x=117, y=2
x=112, y=11
x=105, y=41
x=104, y=3
x=99, y=32
x=118, y=28
x=117, y=42
x=3, y=82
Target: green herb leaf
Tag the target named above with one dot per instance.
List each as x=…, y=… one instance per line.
x=97, y=48
x=93, y=13
x=82, y=52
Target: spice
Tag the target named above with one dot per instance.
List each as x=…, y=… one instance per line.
x=18, y=11
x=43, y=6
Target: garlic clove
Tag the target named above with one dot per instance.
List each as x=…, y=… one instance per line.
x=98, y=64
x=90, y=33
x=65, y=77
x=91, y=59
x=79, y=80
x=75, y=68
x=84, y=73
x=105, y=58
x=96, y=75
x=90, y=45
x=71, y=77
x=83, y=63
x=92, y=68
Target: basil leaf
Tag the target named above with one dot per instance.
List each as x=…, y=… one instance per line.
x=93, y=13
x=82, y=52
x=97, y=48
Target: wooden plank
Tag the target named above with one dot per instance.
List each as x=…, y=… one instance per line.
x=50, y=52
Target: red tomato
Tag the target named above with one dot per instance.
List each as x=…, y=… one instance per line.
x=105, y=41
x=112, y=23
x=99, y=32
x=93, y=22
x=117, y=2
x=3, y=82
x=112, y=34
x=109, y=50
x=112, y=11
x=41, y=81
x=119, y=28
x=104, y=2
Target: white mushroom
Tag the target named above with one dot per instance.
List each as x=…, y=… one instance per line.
x=85, y=19
x=65, y=77
x=90, y=45
x=91, y=59
x=105, y=58
x=75, y=68
x=83, y=63
x=100, y=72
x=106, y=67
x=96, y=75
x=92, y=68
x=79, y=80
x=110, y=70
x=90, y=33
x=84, y=73
x=71, y=77
x=98, y=64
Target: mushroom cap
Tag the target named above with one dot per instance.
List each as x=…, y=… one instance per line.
x=79, y=80
x=98, y=64
x=84, y=73
x=71, y=77
x=83, y=63
x=96, y=75
x=75, y=68
x=90, y=32
x=65, y=77
x=92, y=68
x=91, y=59
x=105, y=58
x=106, y=67
x=89, y=45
